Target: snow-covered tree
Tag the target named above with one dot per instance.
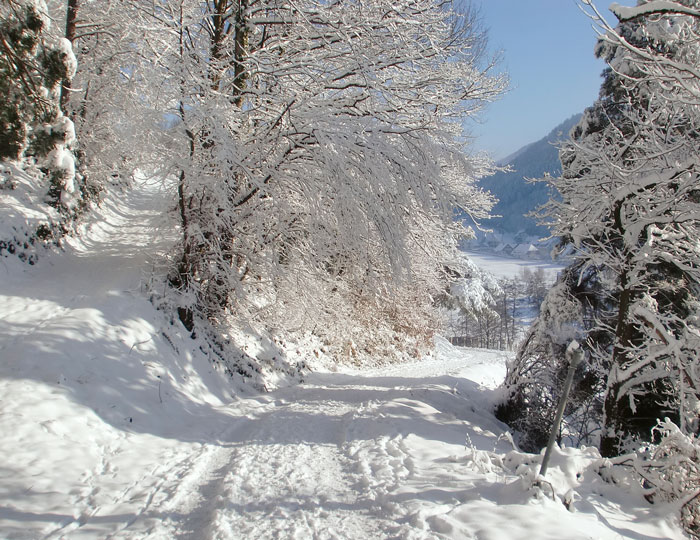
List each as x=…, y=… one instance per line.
x=32, y=67
x=107, y=97
x=629, y=204
x=473, y=308
x=319, y=154
x=643, y=168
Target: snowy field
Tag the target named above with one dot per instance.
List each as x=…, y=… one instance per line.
x=114, y=426
x=506, y=267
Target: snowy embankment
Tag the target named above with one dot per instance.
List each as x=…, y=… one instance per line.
x=110, y=429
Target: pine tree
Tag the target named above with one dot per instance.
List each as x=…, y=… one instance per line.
x=629, y=204
x=32, y=67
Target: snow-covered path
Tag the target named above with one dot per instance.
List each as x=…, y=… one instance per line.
x=114, y=426
x=329, y=459
x=96, y=406
x=405, y=452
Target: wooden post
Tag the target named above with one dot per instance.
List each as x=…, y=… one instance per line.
x=574, y=355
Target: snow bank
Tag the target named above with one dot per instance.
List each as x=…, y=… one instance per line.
x=23, y=213
x=99, y=392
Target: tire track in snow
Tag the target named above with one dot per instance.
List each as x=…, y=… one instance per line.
x=300, y=464
x=291, y=475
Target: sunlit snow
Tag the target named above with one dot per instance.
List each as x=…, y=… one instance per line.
x=115, y=425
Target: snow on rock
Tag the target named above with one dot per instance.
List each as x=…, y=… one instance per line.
x=116, y=426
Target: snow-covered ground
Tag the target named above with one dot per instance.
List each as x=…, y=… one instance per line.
x=116, y=426
x=508, y=267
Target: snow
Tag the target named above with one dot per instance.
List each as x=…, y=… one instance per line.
x=116, y=426
x=507, y=267
x=65, y=48
x=61, y=159
x=22, y=209
x=66, y=128
x=624, y=13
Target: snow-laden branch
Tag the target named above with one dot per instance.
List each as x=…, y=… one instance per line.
x=655, y=7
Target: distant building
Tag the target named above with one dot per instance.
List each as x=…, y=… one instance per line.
x=492, y=239
x=504, y=249
x=526, y=251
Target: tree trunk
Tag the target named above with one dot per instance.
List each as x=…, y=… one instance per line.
x=184, y=268
x=617, y=413
x=240, y=75
x=71, y=20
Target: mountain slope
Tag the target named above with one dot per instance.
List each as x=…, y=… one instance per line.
x=516, y=197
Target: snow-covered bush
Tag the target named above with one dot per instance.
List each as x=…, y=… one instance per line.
x=673, y=473
x=667, y=471
x=34, y=133
x=535, y=377
x=26, y=220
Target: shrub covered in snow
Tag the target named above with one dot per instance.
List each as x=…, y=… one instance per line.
x=667, y=472
x=36, y=139
x=27, y=221
x=673, y=473
x=535, y=377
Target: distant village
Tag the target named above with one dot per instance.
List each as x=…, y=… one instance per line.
x=518, y=246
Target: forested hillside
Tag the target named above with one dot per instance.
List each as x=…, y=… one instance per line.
x=516, y=196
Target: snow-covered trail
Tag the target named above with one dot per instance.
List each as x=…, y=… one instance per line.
x=333, y=458
x=410, y=452
x=114, y=426
x=95, y=404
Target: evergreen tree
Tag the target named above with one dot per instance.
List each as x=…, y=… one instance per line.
x=32, y=67
x=630, y=207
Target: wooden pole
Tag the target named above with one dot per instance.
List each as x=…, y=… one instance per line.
x=574, y=355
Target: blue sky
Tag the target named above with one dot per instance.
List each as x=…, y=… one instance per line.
x=547, y=48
